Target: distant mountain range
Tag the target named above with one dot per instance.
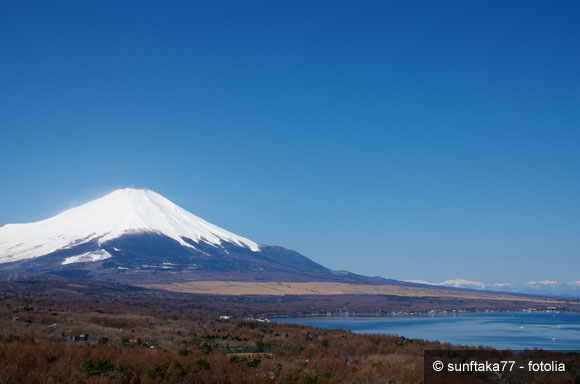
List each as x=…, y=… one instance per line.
x=543, y=287
x=137, y=236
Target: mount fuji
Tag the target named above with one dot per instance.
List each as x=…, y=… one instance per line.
x=138, y=236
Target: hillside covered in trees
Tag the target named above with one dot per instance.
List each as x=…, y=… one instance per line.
x=81, y=331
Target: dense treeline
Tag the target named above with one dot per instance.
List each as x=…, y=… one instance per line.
x=199, y=350
x=46, y=339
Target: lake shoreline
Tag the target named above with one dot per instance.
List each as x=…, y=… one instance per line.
x=500, y=330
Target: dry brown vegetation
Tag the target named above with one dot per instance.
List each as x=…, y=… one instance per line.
x=328, y=288
x=63, y=331
x=59, y=345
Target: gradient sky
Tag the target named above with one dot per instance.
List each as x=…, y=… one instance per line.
x=412, y=140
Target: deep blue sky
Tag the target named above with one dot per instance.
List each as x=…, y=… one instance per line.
x=412, y=140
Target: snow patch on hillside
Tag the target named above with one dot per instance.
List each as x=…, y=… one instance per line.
x=98, y=255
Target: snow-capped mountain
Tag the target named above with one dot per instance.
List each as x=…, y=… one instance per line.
x=542, y=287
x=550, y=287
x=135, y=235
x=122, y=212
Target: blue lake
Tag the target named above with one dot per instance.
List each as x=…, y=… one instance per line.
x=553, y=331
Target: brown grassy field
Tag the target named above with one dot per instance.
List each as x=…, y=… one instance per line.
x=237, y=288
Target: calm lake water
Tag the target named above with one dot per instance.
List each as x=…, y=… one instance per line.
x=554, y=331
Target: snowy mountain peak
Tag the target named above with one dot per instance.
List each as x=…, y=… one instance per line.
x=121, y=212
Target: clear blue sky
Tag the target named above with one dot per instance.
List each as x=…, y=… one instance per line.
x=412, y=140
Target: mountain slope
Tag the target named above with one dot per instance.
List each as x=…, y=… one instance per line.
x=138, y=236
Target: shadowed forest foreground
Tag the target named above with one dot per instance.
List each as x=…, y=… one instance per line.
x=59, y=343
x=208, y=351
